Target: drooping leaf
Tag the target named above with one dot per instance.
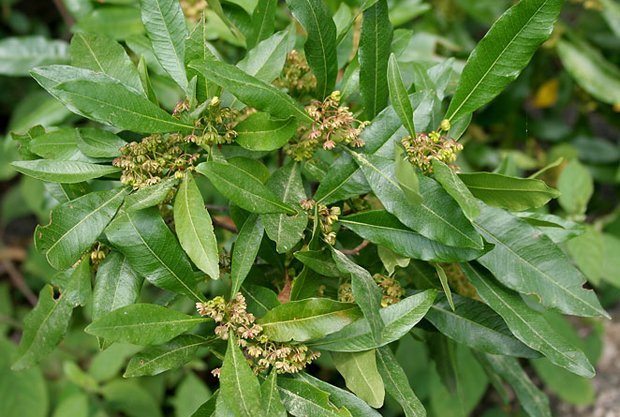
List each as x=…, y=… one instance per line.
x=399, y=318
x=284, y=229
x=320, y=261
x=142, y=324
x=443, y=280
x=263, y=20
x=577, y=186
x=399, y=95
x=67, y=172
x=250, y=90
x=501, y=55
x=376, y=33
x=382, y=228
x=302, y=399
x=116, y=285
x=272, y=403
x=510, y=193
x=166, y=28
x=359, y=370
x=157, y=359
x=320, y=46
x=100, y=53
x=152, y=250
x=150, y=196
x=247, y=191
x=397, y=383
x=308, y=319
x=457, y=189
x=529, y=262
x=259, y=132
x=194, y=228
x=98, y=143
x=474, y=324
x=18, y=55
x=74, y=226
x=238, y=384
x=528, y=325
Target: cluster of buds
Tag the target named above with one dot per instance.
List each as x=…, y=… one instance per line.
x=333, y=124
x=97, y=255
x=297, y=77
x=327, y=217
x=459, y=282
x=193, y=9
x=157, y=156
x=262, y=354
x=423, y=148
x=392, y=291
x=216, y=126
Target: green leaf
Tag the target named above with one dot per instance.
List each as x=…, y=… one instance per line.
x=245, y=190
x=397, y=383
x=443, y=279
x=166, y=28
x=250, y=90
x=529, y=262
x=238, y=384
x=528, y=325
x=19, y=55
x=283, y=229
x=399, y=318
x=366, y=293
x=407, y=177
x=99, y=143
x=105, y=100
x=245, y=251
x=171, y=355
x=58, y=144
x=117, y=22
x=103, y=54
x=142, y=324
x=501, y=55
x=266, y=60
x=150, y=196
x=399, y=95
x=381, y=228
x=116, y=285
x=360, y=373
x=569, y=387
x=457, y=189
x=533, y=400
x=44, y=328
x=130, y=398
x=320, y=261
x=74, y=226
x=263, y=21
x=66, y=172
x=259, y=132
x=438, y=217
x=303, y=399
x=320, y=46
x=272, y=403
x=577, y=186
x=195, y=229
x=510, y=193
x=590, y=69
x=308, y=319
x=153, y=251
x=78, y=289
x=373, y=57
x=474, y=324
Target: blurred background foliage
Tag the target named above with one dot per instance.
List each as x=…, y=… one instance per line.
x=562, y=114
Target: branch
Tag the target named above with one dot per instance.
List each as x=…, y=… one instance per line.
x=18, y=281
x=64, y=13
x=356, y=250
x=225, y=223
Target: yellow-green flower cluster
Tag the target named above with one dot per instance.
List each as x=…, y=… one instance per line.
x=216, y=125
x=262, y=354
x=423, y=148
x=297, y=77
x=193, y=9
x=459, y=282
x=392, y=291
x=155, y=157
x=333, y=124
x=327, y=217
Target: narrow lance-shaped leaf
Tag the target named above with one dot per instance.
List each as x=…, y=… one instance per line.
x=66, y=172
x=397, y=383
x=528, y=325
x=195, y=229
x=528, y=261
x=320, y=46
x=243, y=189
x=457, y=189
x=116, y=285
x=501, y=55
x=75, y=225
x=272, y=403
x=78, y=290
x=376, y=33
x=399, y=95
x=263, y=20
x=142, y=324
x=238, y=384
x=308, y=319
x=443, y=279
x=407, y=177
x=303, y=399
x=245, y=251
x=152, y=250
x=165, y=25
x=259, y=132
x=359, y=370
x=250, y=90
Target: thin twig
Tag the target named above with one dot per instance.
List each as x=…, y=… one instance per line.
x=66, y=16
x=356, y=250
x=215, y=207
x=18, y=281
x=224, y=223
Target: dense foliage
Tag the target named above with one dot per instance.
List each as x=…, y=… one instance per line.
x=263, y=208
